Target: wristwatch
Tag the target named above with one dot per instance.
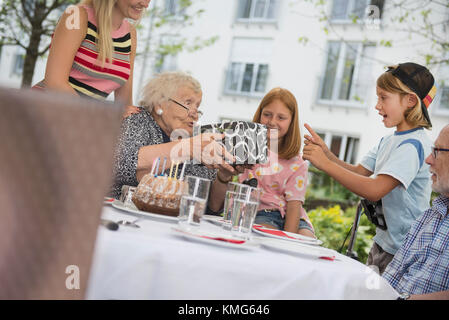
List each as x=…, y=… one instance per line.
x=403, y=296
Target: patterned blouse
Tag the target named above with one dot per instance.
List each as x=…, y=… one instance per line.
x=281, y=181
x=139, y=130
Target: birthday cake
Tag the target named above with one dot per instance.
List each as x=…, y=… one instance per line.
x=158, y=194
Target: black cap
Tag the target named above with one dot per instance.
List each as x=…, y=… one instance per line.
x=419, y=79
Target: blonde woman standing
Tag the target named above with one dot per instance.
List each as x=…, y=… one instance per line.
x=93, y=49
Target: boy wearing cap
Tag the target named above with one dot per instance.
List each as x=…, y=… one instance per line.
x=394, y=171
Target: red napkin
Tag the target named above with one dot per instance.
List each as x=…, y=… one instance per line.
x=225, y=239
x=328, y=258
x=274, y=231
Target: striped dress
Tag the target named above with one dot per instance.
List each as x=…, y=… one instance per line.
x=87, y=76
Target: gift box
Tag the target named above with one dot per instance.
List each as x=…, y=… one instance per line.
x=246, y=141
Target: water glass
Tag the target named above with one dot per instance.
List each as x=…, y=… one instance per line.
x=193, y=201
x=127, y=195
x=233, y=188
x=227, y=209
x=244, y=212
x=238, y=187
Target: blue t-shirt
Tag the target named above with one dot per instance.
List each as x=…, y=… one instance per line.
x=401, y=156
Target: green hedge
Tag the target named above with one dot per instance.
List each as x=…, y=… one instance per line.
x=333, y=224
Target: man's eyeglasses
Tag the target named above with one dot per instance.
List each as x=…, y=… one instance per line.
x=189, y=111
x=436, y=150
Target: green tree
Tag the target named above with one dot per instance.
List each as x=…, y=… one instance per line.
x=29, y=24
x=173, y=21
x=427, y=20
x=26, y=24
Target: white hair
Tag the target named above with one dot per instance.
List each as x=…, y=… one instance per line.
x=159, y=89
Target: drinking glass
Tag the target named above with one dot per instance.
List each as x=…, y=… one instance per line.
x=233, y=188
x=193, y=201
x=127, y=195
x=244, y=212
x=227, y=209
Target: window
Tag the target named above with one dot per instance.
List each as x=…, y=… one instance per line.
x=349, y=10
x=343, y=146
x=174, y=8
x=257, y=10
x=346, y=63
x=247, y=77
x=166, y=54
x=248, y=69
x=18, y=64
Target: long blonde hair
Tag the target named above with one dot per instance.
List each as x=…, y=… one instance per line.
x=103, y=13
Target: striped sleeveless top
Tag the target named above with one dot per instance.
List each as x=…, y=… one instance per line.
x=87, y=77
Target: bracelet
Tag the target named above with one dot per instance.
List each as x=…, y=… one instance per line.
x=223, y=181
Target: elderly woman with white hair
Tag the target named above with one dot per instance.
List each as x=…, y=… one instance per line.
x=163, y=129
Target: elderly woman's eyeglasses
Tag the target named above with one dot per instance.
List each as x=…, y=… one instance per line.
x=436, y=150
x=189, y=111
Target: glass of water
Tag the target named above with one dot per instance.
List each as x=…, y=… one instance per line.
x=232, y=190
x=227, y=209
x=127, y=195
x=193, y=201
x=244, y=210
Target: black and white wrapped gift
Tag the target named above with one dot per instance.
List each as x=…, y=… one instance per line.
x=246, y=141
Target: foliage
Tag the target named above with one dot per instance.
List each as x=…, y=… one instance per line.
x=26, y=24
x=29, y=24
x=333, y=225
x=322, y=186
x=433, y=196
x=174, y=24
x=425, y=19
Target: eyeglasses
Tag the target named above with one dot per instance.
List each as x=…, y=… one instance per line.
x=189, y=111
x=436, y=150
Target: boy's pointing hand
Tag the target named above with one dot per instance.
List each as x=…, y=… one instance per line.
x=316, y=156
x=315, y=139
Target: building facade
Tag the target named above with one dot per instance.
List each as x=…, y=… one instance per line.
x=331, y=67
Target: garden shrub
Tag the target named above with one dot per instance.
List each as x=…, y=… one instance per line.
x=333, y=225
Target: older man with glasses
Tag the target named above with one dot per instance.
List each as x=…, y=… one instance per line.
x=420, y=268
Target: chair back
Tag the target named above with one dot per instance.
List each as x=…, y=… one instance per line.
x=56, y=155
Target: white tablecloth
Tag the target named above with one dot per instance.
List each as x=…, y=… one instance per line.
x=153, y=262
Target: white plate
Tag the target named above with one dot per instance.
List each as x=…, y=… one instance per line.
x=300, y=249
x=119, y=205
x=218, y=220
x=201, y=236
x=289, y=236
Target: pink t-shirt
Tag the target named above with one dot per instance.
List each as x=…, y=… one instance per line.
x=281, y=181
